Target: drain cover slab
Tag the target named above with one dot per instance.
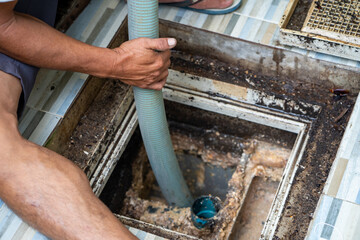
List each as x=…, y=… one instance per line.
x=335, y=19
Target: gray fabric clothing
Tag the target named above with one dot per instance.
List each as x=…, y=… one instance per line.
x=44, y=10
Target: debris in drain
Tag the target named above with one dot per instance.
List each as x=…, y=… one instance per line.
x=269, y=155
x=341, y=115
x=339, y=91
x=255, y=209
x=245, y=164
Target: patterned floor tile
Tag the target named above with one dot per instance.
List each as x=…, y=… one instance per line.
x=36, y=126
x=335, y=219
x=267, y=10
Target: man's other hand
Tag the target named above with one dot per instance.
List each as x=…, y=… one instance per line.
x=143, y=62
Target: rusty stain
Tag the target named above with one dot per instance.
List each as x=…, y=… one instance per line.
x=278, y=57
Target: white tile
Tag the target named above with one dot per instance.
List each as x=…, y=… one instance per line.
x=29, y=234
x=349, y=149
x=94, y=20
x=348, y=222
x=201, y=20
x=280, y=11
x=254, y=30
x=26, y=119
x=163, y=11
x=171, y=13
x=10, y=231
x=82, y=21
x=46, y=82
x=149, y=237
x=5, y=212
x=262, y=7
x=61, y=103
x=335, y=219
x=133, y=230
x=43, y=130
x=37, y=126
x=188, y=18
x=239, y=26
x=246, y=7
x=350, y=184
x=215, y=23
x=114, y=3
x=111, y=26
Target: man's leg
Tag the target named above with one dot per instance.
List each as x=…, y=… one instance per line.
x=45, y=189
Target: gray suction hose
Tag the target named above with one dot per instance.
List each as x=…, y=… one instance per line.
x=144, y=22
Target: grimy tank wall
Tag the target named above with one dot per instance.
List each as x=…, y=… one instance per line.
x=266, y=60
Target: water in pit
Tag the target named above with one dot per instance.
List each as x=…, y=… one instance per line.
x=202, y=178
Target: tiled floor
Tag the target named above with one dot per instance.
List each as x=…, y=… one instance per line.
x=256, y=21
x=336, y=219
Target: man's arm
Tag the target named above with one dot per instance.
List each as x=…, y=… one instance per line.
x=34, y=42
x=48, y=191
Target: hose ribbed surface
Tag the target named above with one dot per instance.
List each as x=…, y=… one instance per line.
x=143, y=22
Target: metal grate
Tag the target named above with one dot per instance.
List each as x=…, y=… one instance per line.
x=337, y=19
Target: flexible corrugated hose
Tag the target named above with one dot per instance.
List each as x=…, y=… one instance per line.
x=144, y=22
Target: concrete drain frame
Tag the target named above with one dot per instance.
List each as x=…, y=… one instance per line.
x=262, y=84
x=182, y=88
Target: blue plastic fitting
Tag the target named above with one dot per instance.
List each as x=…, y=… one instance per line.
x=204, y=210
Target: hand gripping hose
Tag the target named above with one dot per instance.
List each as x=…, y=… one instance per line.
x=144, y=22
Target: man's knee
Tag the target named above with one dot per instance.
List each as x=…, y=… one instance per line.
x=8, y=126
x=11, y=145
x=10, y=92
x=10, y=137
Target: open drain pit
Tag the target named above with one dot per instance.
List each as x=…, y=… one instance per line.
x=212, y=162
x=235, y=102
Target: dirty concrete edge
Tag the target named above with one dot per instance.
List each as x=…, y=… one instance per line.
x=61, y=133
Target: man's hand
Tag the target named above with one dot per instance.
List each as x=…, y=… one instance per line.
x=143, y=62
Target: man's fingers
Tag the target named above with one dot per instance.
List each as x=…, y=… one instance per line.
x=171, y=42
x=160, y=82
x=165, y=56
x=158, y=85
x=161, y=44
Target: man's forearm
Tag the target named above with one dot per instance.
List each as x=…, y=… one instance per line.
x=34, y=42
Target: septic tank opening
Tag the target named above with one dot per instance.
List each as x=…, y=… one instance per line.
x=216, y=156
